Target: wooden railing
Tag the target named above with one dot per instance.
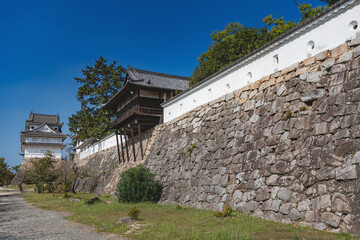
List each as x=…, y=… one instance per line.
x=134, y=108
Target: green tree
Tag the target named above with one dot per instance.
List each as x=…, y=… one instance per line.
x=98, y=85
x=6, y=175
x=43, y=172
x=236, y=40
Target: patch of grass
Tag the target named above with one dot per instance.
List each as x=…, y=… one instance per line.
x=167, y=222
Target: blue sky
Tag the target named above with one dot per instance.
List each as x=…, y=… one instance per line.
x=45, y=44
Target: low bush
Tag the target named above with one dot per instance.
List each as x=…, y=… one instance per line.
x=92, y=200
x=134, y=213
x=227, y=211
x=138, y=185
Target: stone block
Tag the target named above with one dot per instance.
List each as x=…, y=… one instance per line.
x=312, y=216
x=327, y=65
x=339, y=50
x=312, y=95
x=345, y=57
x=281, y=89
x=294, y=214
x=322, y=56
x=309, y=61
x=284, y=194
x=356, y=51
x=346, y=173
x=251, y=206
x=340, y=203
x=331, y=219
x=304, y=205
x=355, y=41
x=279, y=167
x=314, y=77
x=320, y=128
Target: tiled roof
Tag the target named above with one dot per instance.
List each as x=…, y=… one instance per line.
x=44, y=118
x=156, y=80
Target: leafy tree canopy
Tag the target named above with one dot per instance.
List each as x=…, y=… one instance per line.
x=236, y=40
x=6, y=175
x=98, y=85
x=44, y=172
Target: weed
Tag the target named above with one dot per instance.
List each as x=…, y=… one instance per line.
x=227, y=211
x=66, y=195
x=178, y=207
x=134, y=213
x=288, y=115
x=91, y=201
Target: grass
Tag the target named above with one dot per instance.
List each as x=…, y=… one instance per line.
x=171, y=222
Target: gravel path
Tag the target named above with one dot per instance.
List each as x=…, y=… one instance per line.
x=20, y=220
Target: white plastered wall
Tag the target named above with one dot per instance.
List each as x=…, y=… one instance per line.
x=327, y=32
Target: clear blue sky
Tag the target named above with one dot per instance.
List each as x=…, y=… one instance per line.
x=45, y=44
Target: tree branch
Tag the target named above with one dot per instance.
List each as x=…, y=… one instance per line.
x=297, y=4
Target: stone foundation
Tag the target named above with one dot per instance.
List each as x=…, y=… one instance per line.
x=285, y=148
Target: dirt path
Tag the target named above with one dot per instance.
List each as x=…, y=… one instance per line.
x=20, y=220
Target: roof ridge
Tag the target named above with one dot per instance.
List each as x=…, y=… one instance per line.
x=160, y=74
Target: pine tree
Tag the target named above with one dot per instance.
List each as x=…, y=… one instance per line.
x=98, y=85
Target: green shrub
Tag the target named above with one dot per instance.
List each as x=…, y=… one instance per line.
x=138, y=185
x=227, y=211
x=92, y=200
x=134, y=213
x=217, y=214
x=66, y=195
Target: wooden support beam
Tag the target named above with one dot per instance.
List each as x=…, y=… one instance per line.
x=117, y=145
x=132, y=141
x=122, y=146
x=140, y=140
x=126, y=145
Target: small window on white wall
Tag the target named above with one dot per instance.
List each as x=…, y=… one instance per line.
x=353, y=25
x=310, y=46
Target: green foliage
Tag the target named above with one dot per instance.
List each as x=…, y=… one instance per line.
x=98, y=85
x=138, y=185
x=43, y=172
x=236, y=40
x=6, y=175
x=66, y=195
x=134, y=213
x=226, y=212
x=90, y=201
x=217, y=214
x=178, y=207
x=189, y=150
x=288, y=115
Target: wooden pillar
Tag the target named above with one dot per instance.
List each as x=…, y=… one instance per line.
x=172, y=93
x=140, y=140
x=126, y=145
x=117, y=145
x=122, y=146
x=164, y=96
x=132, y=141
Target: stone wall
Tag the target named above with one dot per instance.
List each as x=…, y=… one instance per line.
x=101, y=171
x=284, y=148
